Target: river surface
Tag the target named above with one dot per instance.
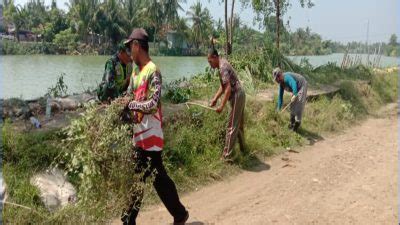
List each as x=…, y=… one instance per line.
x=30, y=76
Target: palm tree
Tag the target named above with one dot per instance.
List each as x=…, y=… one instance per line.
x=182, y=27
x=37, y=13
x=134, y=11
x=170, y=10
x=17, y=15
x=154, y=16
x=110, y=19
x=82, y=13
x=219, y=25
x=201, y=22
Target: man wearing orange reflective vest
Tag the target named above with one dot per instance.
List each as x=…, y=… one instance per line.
x=145, y=89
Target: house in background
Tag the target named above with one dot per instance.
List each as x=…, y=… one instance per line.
x=176, y=40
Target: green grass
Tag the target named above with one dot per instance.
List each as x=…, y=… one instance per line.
x=24, y=155
x=193, y=143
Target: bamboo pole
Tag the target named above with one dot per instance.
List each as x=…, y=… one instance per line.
x=344, y=59
x=378, y=56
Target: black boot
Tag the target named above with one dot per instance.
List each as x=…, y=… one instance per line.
x=292, y=122
x=296, y=126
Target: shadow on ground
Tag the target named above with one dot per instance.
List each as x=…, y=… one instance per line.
x=310, y=136
x=195, y=223
x=256, y=165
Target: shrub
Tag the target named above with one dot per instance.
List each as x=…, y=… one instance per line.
x=177, y=92
x=66, y=40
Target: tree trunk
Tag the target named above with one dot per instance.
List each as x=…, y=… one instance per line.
x=154, y=38
x=231, y=28
x=16, y=31
x=278, y=15
x=226, y=28
x=16, y=36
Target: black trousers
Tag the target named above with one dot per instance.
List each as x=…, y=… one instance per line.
x=148, y=163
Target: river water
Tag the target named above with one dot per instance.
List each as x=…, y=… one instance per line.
x=29, y=77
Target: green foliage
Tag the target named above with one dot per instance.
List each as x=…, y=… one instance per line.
x=27, y=48
x=21, y=191
x=23, y=155
x=97, y=26
x=97, y=152
x=110, y=22
x=31, y=151
x=66, y=40
x=385, y=86
x=60, y=89
x=194, y=141
x=264, y=119
x=332, y=74
x=202, y=24
x=176, y=92
x=261, y=62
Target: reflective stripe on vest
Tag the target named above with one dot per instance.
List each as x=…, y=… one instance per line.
x=148, y=133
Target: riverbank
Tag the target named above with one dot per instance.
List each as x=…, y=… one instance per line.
x=194, y=139
x=9, y=47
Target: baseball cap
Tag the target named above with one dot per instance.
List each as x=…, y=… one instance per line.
x=139, y=34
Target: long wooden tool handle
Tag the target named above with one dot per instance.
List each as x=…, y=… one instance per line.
x=203, y=106
x=283, y=110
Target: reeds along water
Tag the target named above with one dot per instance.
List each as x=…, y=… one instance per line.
x=353, y=60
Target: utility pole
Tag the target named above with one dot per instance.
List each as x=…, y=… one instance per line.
x=367, y=43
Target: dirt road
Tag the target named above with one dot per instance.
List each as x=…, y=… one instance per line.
x=349, y=178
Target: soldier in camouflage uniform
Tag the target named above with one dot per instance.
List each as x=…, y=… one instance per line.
x=117, y=71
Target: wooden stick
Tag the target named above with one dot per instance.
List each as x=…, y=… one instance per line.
x=287, y=106
x=15, y=204
x=194, y=103
x=21, y=206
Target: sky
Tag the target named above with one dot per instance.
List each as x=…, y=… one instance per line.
x=338, y=20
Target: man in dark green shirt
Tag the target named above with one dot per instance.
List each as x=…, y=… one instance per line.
x=117, y=73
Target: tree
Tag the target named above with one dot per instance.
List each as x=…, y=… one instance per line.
x=58, y=21
x=393, y=40
x=155, y=16
x=201, y=23
x=264, y=8
x=17, y=15
x=392, y=49
x=182, y=28
x=219, y=25
x=229, y=27
x=82, y=13
x=170, y=10
x=37, y=14
x=110, y=21
x=54, y=21
x=66, y=40
x=134, y=12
